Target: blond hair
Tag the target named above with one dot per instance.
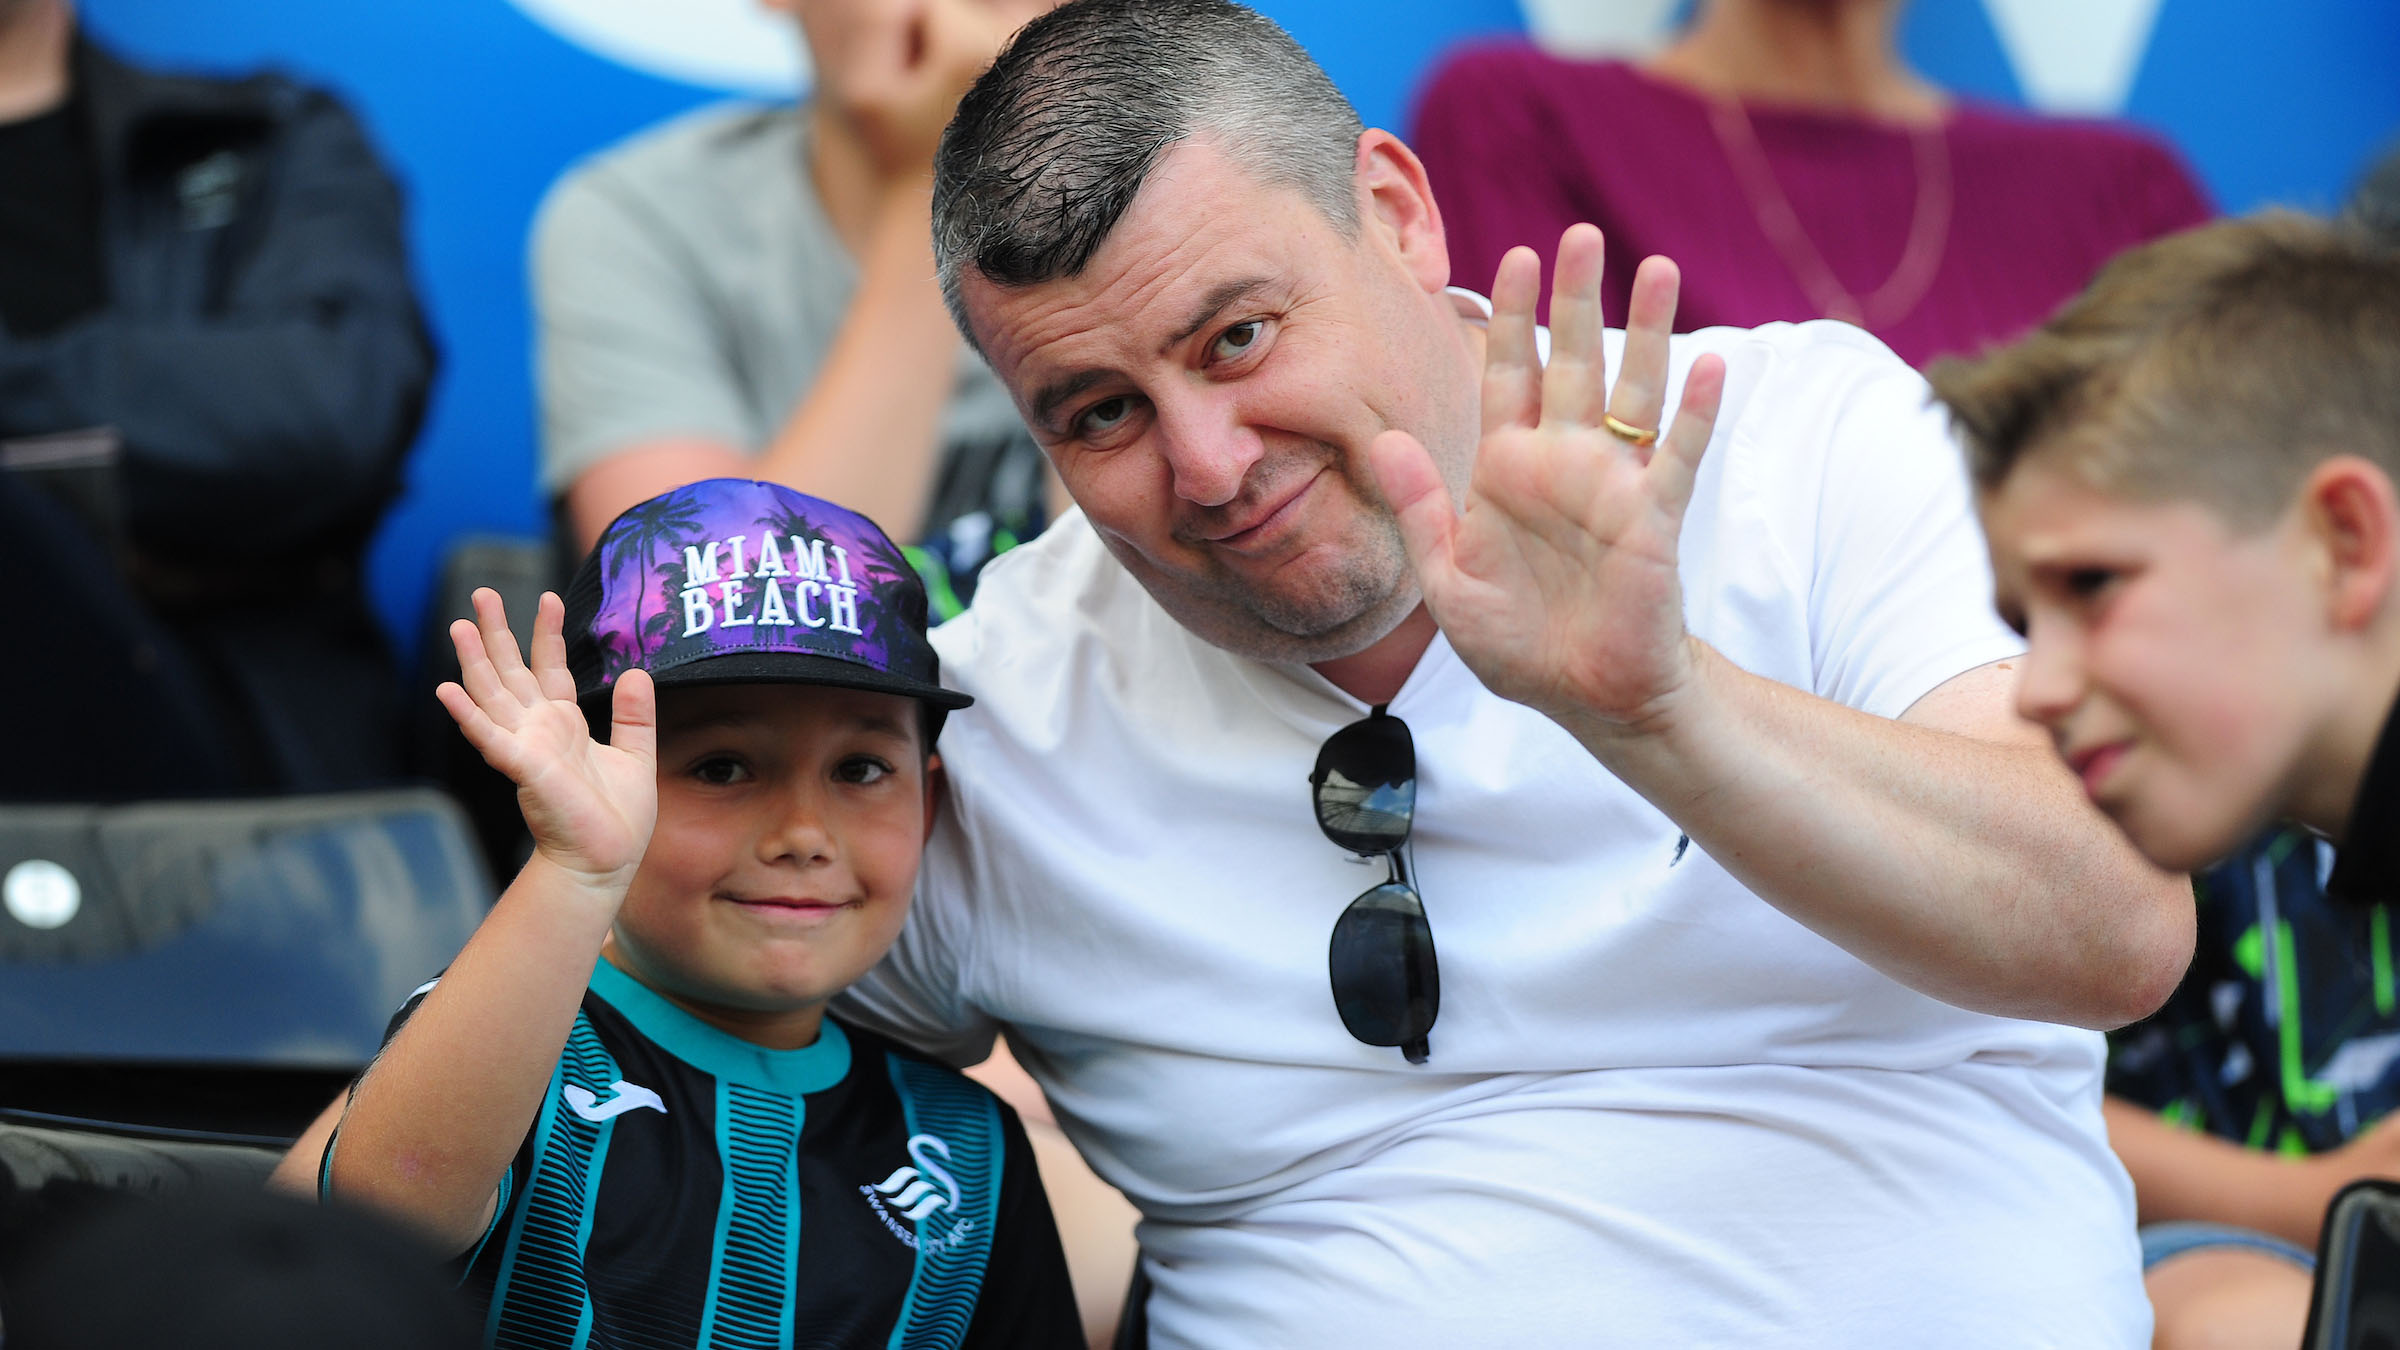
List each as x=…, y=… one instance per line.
x=2221, y=364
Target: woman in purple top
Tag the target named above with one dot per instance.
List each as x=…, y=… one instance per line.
x=1797, y=169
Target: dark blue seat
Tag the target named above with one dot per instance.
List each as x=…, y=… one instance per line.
x=156, y=957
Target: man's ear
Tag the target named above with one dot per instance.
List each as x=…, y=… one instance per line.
x=2351, y=508
x=937, y=786
x=1395, y=202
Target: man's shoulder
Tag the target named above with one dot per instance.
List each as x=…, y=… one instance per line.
x=1037, y=601
x=1062, y=644
x=682, y=165
x=1810, y=343
x=1821, y=427
x=1791, y=384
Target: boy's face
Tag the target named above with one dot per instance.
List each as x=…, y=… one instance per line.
x=2171, y=657
x=790, y=822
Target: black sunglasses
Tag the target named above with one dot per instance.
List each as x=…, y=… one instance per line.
x=1385, y=983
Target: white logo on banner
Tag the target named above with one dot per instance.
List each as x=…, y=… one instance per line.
x=1600, y=27
x=2070, y=56
x=734, y=45
x=2074, y=56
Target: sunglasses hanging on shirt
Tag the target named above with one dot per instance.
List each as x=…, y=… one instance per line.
x=1385, y=983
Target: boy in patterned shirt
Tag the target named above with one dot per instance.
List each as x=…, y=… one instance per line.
x=624, y=1105
x=2187, y=477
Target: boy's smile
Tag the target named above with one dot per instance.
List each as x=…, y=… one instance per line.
x=790, y=820
x=799, y=911
x=2172, y=656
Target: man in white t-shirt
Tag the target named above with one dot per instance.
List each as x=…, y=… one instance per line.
x=1739, y=871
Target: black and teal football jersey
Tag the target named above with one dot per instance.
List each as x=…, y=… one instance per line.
x=685, y=1188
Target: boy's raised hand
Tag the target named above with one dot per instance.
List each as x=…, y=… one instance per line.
x=590, y=806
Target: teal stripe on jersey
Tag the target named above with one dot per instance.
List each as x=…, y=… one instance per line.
x=499, y=1210
x=540, y=1300
x=757, y=1258
x=951, y=1256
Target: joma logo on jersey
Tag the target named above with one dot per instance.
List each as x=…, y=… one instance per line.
x=628, y=1097
x=917, y=1192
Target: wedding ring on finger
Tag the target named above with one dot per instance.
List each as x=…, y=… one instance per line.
x=1628, y=432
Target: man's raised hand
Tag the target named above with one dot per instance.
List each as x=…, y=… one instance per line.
x=590, y=806
x=1556, y=583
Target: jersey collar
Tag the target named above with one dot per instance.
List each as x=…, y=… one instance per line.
x=811, y=1068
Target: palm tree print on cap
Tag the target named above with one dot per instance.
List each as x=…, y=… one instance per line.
x=729, y=566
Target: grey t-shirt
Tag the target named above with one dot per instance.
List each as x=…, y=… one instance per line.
x=686, y=282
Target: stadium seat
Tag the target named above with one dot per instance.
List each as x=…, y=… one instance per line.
x=220, y=965
x=36, y=1153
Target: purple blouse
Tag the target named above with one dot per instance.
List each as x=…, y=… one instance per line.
x=1521, y=144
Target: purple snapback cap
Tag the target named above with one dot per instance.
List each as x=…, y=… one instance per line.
x=730, y=581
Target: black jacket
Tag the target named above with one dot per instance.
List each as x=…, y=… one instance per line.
x=262, y=356
x=261, y=352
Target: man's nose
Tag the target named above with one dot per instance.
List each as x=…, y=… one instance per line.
x=1208, y=447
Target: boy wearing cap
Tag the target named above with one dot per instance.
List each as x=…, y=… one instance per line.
x=2187, y=480
x=672, y=1144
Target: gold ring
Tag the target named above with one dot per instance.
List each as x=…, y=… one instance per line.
x=1626, y=431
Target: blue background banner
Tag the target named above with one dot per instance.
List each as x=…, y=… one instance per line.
x=479, y=105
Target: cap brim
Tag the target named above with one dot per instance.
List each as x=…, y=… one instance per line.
x=797, y=668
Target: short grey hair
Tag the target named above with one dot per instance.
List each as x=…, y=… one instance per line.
x=1054, y=142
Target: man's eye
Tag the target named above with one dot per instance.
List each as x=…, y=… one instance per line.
x=862, y=769
x=1104, y=416
x=720, y=770
x=1237, y=339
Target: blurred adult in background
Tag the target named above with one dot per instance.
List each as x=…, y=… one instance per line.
x=1784, y=153
x=747, y=291
x=211, y=367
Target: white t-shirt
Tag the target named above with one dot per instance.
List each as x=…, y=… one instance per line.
x=1658, y=1112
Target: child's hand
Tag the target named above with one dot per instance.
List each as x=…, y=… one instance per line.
x=590, y=806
